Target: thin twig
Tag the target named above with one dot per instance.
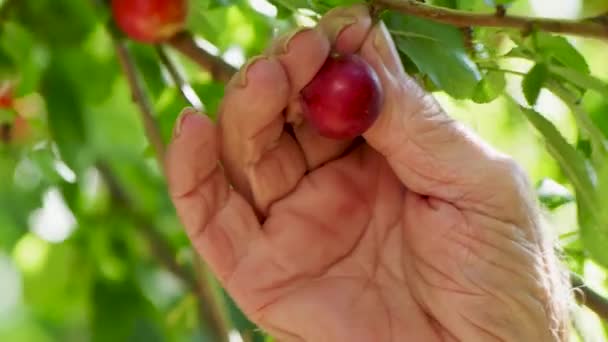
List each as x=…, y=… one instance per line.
x=6, y=8
x=184, y=87
x=208, y=307
x=141, y=100
x=219, y=69
x=505, y=71
x=591, y=299
x=585, y=28
x=161, y=249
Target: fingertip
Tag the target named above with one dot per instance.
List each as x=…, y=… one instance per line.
x=192, y=153
x=347, y=27
x=183, y=120
x=301, y=53
x=379, y=42
x=254, y=103
x=261, y=84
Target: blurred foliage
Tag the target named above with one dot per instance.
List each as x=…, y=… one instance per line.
x=89, y=241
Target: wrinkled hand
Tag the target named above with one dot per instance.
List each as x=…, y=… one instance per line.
x=420, y=232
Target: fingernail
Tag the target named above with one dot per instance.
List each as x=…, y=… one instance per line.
x=379, y=37
x=284, y=47
x=181, y=121
x=243, y=74
x=334, y=27
x=294, y=114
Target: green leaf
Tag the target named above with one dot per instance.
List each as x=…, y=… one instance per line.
x=593, y=232
x=571, y=162
x=290, y=5
x=118, y=311
x=148, y=68
x=490, y=87
x=580, y=79
x=498, y=2
x=28, y=59
x=534, y=81
x=599, y=150
x=560, y=49
x=575, y=168
x=445, y=3
x=552, y=194
x=10, y=232
x=249, y=30
x=51, y=291
x=60, y=23
x=437, y=50
x=208, y=4
x=322, y=6
x=593, y=8
x=65, y=120
x=240, y=321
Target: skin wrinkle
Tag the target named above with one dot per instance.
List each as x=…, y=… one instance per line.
x=230, y=253
x=339, y=259
x=290, y=277
x=281, y=177
x=422, y=262
x=495, y=293
x=198, y=179
x=484, y=291
x=365, y=287
x=258, y=315
x=456, y=195
x=479, y=257
x=209, y=212
x=395, y=227
x=481, y=328
x=229, y=278
x=282, y=335
x=512, y=299
x=516, y=270
x=387, y=311
x=403, y=146
x=389, y=322
x=490, y=247
x=510, y=231
x=298, y=183
x=377, y=256
x=250, y=144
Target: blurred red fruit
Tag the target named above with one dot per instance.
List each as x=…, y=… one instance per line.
x=20, y=131
x=150, y=21
x=6, y=95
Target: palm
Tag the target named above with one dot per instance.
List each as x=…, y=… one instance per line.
x=340, y=248
x=332, y=251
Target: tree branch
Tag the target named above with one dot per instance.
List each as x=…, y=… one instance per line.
x=6, y=8
x=141, y=100
x=207, y=304
x=591, y=299
x=214, y=317
x=463, y=18
x=209, y=311
x=162, y=251
x=220, y=70
x=185, y=89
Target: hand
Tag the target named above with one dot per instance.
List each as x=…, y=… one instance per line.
x=419, y=232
